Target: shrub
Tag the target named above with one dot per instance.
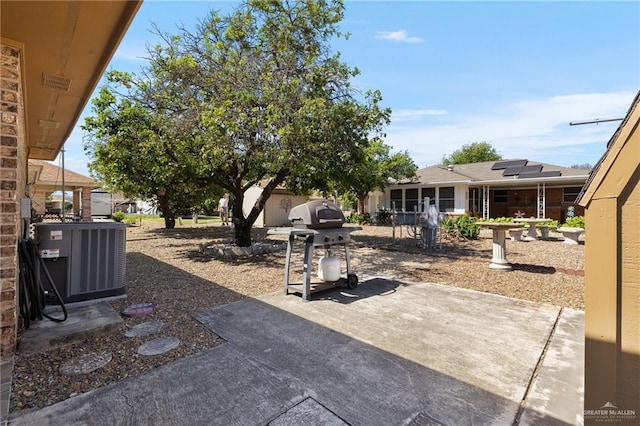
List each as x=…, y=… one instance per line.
x=131, y=220
x=448, y=225
x=461, y=227
x=501, y=219
x=118, y=216
x=467, y=227
x=359, y=219
x=575, y=222
x=383, y=217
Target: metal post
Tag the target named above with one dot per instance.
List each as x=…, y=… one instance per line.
x=63, y=188
x=542, y=213
x=287, y=263
x=393, y=222
x=307, y=267
x=415, y=222
x=485, y=202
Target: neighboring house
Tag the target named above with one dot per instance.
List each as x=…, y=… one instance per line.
x=45, y=178
x=489, y=189
x=104, y=203
x=611, y=199
x=52, y=56
x=276, y=209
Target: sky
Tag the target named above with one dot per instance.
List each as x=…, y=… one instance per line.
x=510, y=73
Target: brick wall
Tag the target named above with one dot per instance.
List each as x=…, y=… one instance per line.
x=13, y=170
x=86, y=204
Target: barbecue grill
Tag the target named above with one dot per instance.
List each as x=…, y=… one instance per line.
x=318, y=224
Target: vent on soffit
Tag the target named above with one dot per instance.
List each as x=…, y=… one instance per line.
x=56, y=82
x=49, y=124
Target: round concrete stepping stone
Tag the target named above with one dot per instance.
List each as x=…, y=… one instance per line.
x=86, y=363
x=144, y=329
x=158, y=346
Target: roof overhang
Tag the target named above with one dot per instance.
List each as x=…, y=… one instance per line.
x=33, y=173
x=66, y=48
x=559, y=180
x=438, y=183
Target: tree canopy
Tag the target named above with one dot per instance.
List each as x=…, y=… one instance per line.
x=474, y=152
x=583, y=166
x=253, y=95
x=373, y=172
x=136, y=150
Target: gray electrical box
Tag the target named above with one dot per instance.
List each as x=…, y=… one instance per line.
x=25, y=208
x=86, y=260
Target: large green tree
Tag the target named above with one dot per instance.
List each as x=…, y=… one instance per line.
x=277, y=103
x=143, y=151
x=256, y=95
x=474, y=152
x=373, y=171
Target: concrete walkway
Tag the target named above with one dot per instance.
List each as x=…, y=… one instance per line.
x=386, y=353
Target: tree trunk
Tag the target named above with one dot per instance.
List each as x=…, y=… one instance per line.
x=242, y=223
x=242, y=233
x=362, y=200
x=167, y=213
x=169, y=222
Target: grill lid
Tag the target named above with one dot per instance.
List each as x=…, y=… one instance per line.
x=317, y=214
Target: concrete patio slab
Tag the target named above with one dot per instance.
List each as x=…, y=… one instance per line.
x=384, y=353
x=219, y=386
x=482, y=339
x=556, y=394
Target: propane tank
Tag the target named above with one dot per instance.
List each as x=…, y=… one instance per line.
x=329, y=268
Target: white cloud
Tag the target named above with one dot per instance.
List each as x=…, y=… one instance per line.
x=133, y=51
x=537, y=129
x=415, y=114
x=400, y=35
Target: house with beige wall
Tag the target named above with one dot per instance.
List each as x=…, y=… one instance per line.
x=52, y=56
x=489, y=189
x=611, y=199
x=45, y=178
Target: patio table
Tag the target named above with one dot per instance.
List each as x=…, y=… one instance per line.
x=499, y=259
x=533, y=222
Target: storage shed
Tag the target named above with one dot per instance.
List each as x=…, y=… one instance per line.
x=276, y=209
x=611, y=197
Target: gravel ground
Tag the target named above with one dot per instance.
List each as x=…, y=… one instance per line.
x=170, y=269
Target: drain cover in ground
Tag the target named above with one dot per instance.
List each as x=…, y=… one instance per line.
x=86, y=363
x=158, y=346
x=144, y=329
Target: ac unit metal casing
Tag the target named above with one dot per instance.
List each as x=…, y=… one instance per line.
x=85, y=259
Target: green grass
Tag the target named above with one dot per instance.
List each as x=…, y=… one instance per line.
x=134, y=219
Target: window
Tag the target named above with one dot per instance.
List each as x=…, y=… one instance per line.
x=396, y=197
x=500, y=196
x=411, y=199
x=429, y=192
x=571, y=194
x=446, y=200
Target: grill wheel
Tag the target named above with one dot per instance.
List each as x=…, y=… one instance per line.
x=352, y=281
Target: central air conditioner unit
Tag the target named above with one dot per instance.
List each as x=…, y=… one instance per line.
x=86, y=260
